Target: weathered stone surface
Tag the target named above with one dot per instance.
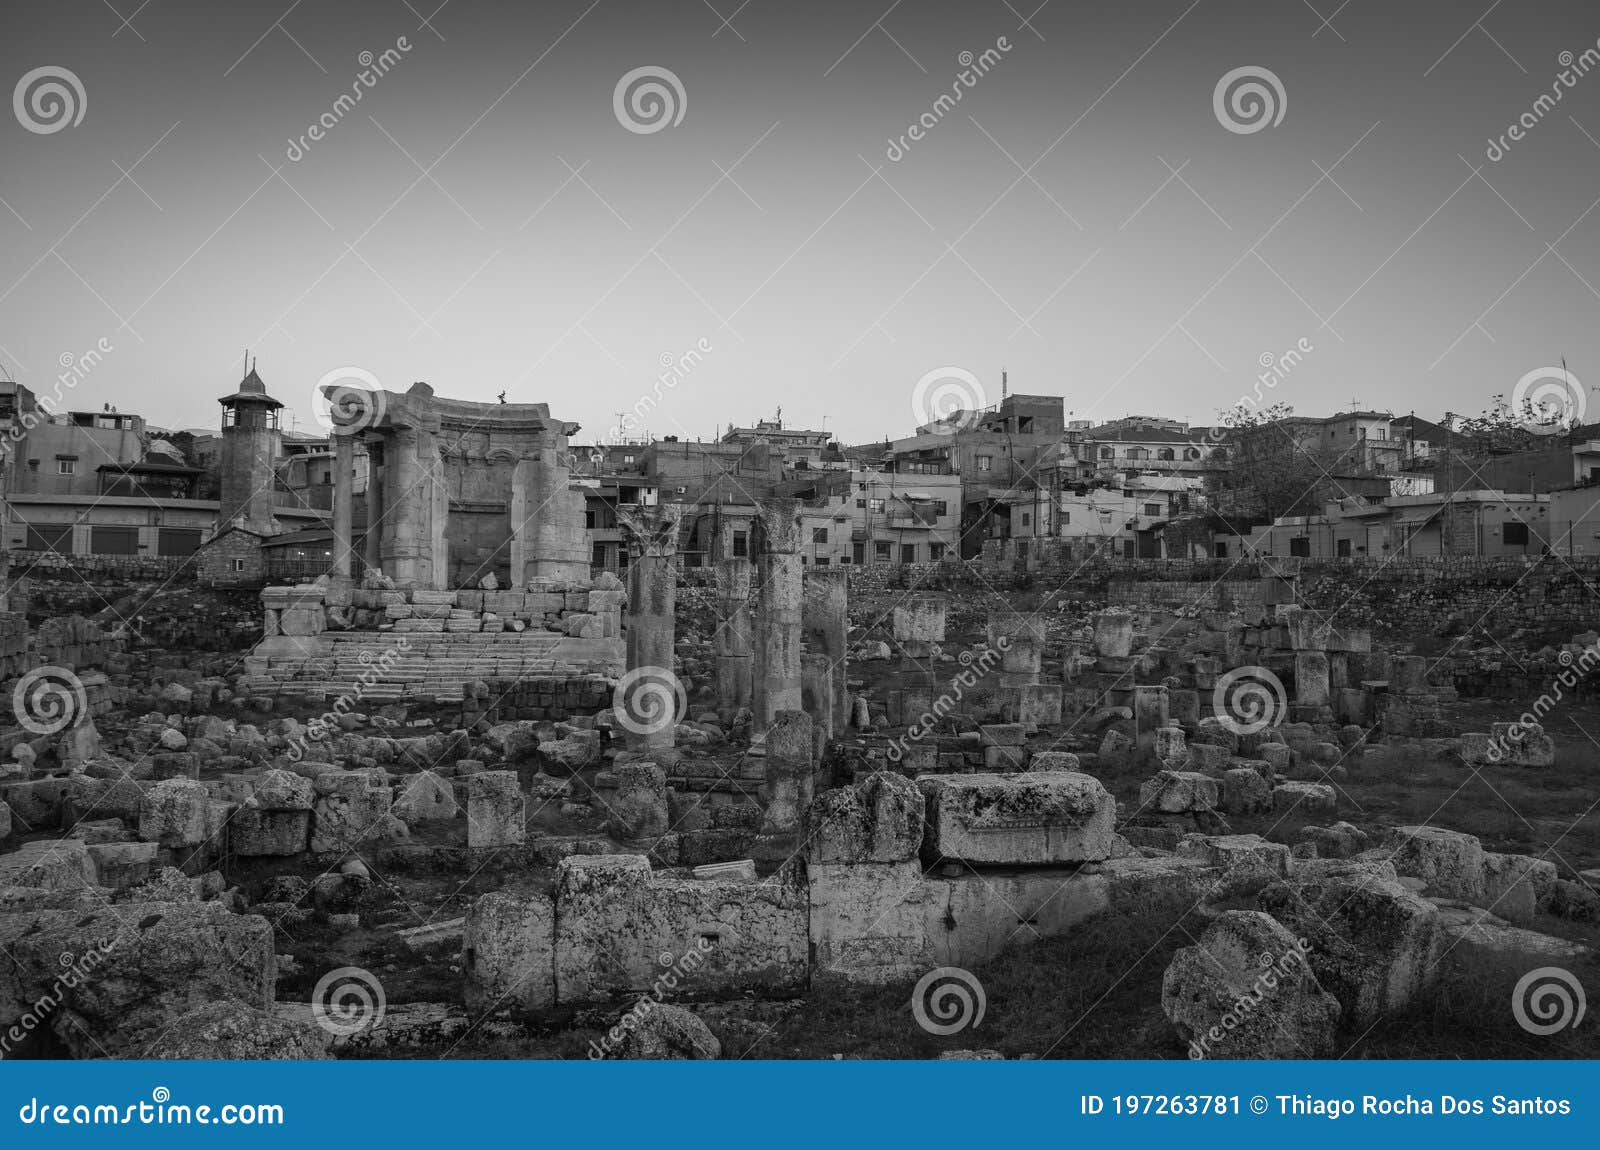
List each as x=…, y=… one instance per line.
x=508, y=949
x=1178, y=792
x=282, y=791
x=123, y=865
x=231, y=1031
x=1246, y=990
x=1449, y=863
x=868, y=922
x=49, y=864
x=1033, y=818
x=880, y=819
x=1342, y=840
x=1053, y=761
x=1305, y=798
x=639, y=809
x=1374, y=945
x=1244, y=792
x=1238, y=852
x=425, y=797
x=141, y=967
x=352, y=811
x=620, y=928
x=496, y=811
x=657, y=1031
x=174, y=813
x=1515, y=885
x=256, y=833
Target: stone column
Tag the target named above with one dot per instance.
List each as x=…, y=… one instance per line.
x=825, y=623
x=376, y=526
x=789, y=767
x=778, y=619
x=732, y=641
x=402, y=543
x=642, y=707
x=344, y=464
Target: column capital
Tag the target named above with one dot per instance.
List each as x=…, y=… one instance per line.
x=780, y=524
x=651, y=531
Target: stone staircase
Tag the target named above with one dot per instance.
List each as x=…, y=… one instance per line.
x=387, y=667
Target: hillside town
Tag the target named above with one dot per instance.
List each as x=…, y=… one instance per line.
x=1012, y=479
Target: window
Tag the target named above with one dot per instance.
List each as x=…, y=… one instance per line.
x=238, y=564
x=908, y=553
x=1108, y=453
x=940, y=507
x=741, y=544
x=858, y=553
x=1165, y=453
x=50, y=538
x=874, y=505
x=66, y=467
x=985, y=463
x=819, y=535
x=1341, y=548
x=1152, y=509
x=1220, y=549
x=1514, y=534
x=861, y=502
x=627, y=459
x=1027, y=519
x=935, y=552
x=113, y=540
x=1066, y=517
x=822, y=560
x=1301, y=546
x=881, y=552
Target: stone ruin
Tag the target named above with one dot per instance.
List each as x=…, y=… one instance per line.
x=758, y=793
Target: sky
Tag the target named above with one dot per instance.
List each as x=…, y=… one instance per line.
x=490, y=217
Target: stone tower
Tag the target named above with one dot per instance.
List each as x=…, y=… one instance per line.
x=251, y=444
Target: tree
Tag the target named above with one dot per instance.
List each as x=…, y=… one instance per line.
x=1276, y=469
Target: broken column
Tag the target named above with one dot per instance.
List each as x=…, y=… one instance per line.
x=1311, y=678
x=778, y=619
x=825, y=622
x=1019, y=637
x=789, y=765
x=647, y=703
x=733, y=639
x=919, y=624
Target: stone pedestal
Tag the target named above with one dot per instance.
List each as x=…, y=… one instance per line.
x=789, y=773
x=1311, y=678
x=1113, y=634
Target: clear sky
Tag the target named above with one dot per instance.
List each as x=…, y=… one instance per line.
x=483, y=219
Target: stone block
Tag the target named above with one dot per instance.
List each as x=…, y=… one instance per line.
x=1178, y=792
x=496, y=810
x=175, y=813
x=255, y=833
x=868, y=922
x=880, y=820
x=1040, y=817
x=509, y=952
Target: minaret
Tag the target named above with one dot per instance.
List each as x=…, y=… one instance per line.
x=251, y=444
